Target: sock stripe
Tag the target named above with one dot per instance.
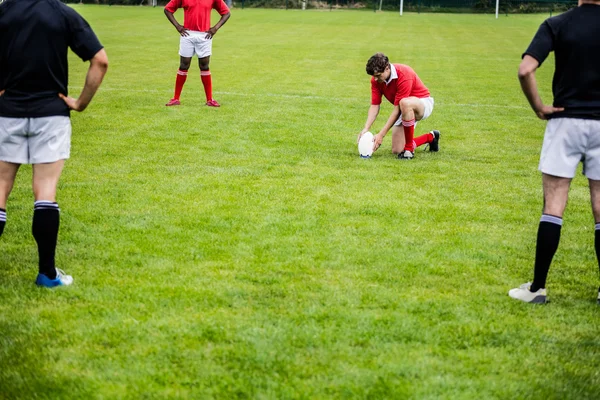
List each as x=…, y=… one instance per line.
x=412, y=122
x=181, y=72
x=551, y=219
x=597, y=226
x=2, y=215
x=204, y=73
x=45, y=205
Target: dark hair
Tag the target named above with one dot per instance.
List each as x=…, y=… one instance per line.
x=377, y=64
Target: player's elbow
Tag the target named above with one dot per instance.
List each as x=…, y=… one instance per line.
x=525, y=71
x=527, y=67
x=100, y=60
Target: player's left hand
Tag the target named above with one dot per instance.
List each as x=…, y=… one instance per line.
x=378, y=139
x=210, y=33
x=72, y=103
x=1, y=92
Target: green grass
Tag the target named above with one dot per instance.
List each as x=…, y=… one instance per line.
x=249, y=252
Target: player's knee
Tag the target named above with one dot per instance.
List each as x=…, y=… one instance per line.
x=184, y=64
x=405, y=104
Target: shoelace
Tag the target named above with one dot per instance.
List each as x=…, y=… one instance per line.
x=60, y=273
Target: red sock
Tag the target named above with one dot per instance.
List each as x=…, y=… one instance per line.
x=421, y=140
x=207, y=82
x=181, y=77
x=409, y=134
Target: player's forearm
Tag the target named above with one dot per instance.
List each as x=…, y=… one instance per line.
x=529, y=87
x=171, y=18
x=391, y=121
x=371, y=116
x=93, y=79
x=222, y=21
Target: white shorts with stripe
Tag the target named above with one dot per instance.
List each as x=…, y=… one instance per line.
x=568, y=141
x=35, y=140
x=195, y=43
x=427, y=104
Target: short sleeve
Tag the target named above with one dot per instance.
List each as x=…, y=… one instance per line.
x=375, y=93
x=173, y=6
x=220, y=7
x=82, y=40
x=542, y=43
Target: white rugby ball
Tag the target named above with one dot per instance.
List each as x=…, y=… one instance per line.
x=365, y=145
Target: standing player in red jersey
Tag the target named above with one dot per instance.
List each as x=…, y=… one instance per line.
x=402, y=87
x=196, y=38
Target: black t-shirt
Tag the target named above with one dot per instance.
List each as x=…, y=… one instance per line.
x=34, y=39
x=575, y=39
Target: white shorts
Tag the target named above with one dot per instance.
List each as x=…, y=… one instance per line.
x=567, y=141
x=195, y=43
x=427, y=104
x=35, y=140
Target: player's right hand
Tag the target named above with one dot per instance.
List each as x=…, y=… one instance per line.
x=546, y=111
x=1, y=92
x=182, y=30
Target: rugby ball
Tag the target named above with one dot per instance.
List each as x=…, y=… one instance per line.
x=365, y=145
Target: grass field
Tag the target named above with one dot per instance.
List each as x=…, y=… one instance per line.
x=248, y=252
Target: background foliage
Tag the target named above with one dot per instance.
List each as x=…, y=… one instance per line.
x=446, y=6
x=248, y=252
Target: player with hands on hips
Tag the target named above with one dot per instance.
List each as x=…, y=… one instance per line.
x=196, y=36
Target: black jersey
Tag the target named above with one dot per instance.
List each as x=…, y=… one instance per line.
x=575, y=39
x=35, y=36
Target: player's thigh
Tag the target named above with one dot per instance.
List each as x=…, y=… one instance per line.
x=563, y=147
x=556, y=193
x=398, y=140
x=49, y=139
x=204, y=62
x=591, y=162
x=45, y=179
x=595, y=196
x=427, y=107
x=13, y=140
x=8, y=172
x=415, y=104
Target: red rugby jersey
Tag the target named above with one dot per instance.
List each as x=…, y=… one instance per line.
x=406, y=85
x=196, y=13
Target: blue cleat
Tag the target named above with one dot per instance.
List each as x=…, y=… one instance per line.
x=61, y=280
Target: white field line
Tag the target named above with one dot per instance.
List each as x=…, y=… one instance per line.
x=307, y=97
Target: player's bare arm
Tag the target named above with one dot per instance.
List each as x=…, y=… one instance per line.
x=528, y=82
x=212, y=31
x=95, y=74
x=388, y=125
x=371, y=117
x=180, y=28
x=1, y=92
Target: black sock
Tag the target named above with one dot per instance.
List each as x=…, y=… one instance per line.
x=547, y=242
x=2, y=220
x=46, y=218
x=597, y=244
